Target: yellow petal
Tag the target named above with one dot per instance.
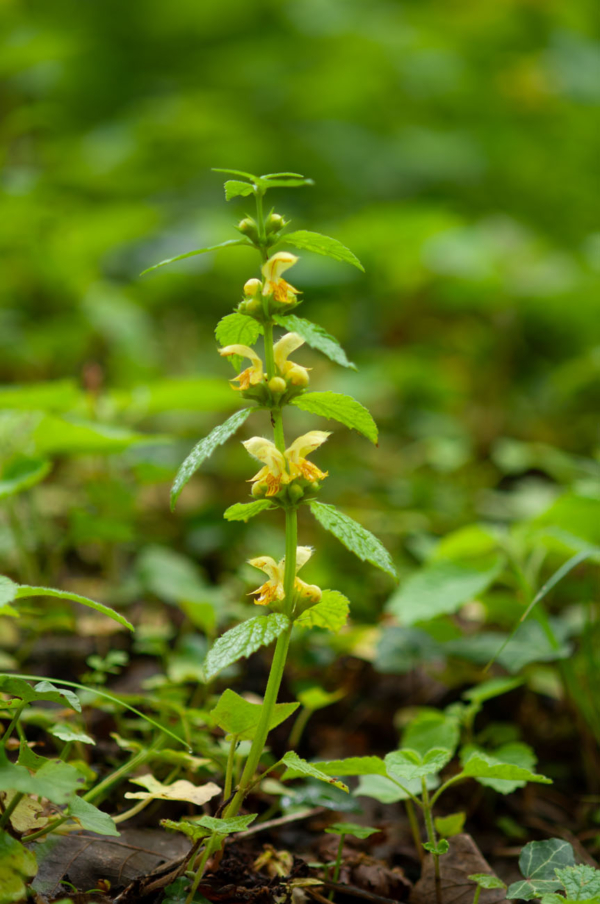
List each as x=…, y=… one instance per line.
x=267, y=452
x=268, y=565
x=277, y=264
x=306, y=444
x=303, y=554
x=284, y=347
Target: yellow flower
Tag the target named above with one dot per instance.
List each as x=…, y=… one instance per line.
x=274, y=472
x=274, y=285
x=252, y=375
x=273, y=589
x=294, y=373
x=297, y=452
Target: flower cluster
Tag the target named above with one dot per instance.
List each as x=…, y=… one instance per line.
x=272, y=591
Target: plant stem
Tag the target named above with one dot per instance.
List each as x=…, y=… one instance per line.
x=269, y=357
x=431, y=838
x=477, y=893
x=229, y=772
x=414, y=827
x=299, y=726
x=338, y=864
x=201, y=867
x=12, y=725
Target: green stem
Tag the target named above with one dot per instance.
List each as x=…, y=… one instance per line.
x=201, y=867
x=414, y=827
x=291, y=545
x=277, y=422
x=442, y=788
x=431, y=838
x=260, y=219
x=229, y=772
x=269, y=357
x=477, y=893
x=298, y=729
x=12, y=725
x=338, y=864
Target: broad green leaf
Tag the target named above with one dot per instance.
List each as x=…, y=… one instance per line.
x=322, y=244
x=67, y=733
x=429, y=729
x=450, y=825
x=181, y=257
x=204, y=449
x=55, y=780
x=243, y=511
x=340, y=407
x=401, y=649
x=485, y=880
x=171, y=576
x=8, y=591
x=481, y=765
x=353, y=765
x=73, y=436
x=331, y=612
x=235, y=172
x=55, y=395
x=297, y=767
x=17, y=867
x=239, y=717
x=537, y=862
x=237, y=329
x=27, y=592
x=43, y=690
x=353, y=536
x=233, y=189
x=22, y=474
x=516, y=754
x=218, y=826
x=440, y=589
x=407, y=764
x=315, y=698
x=315, y=336
x=179, y=790
x=91, y=818
x=442, y=847
x=383, y=789
x=559, y=899
x=492, y=688
x=351, y=828
x=185, y=393
x=243, y=640
x=285, y=180
x=191, y=829
x=581, y=882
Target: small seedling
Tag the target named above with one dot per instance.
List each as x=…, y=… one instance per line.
x=342, y=829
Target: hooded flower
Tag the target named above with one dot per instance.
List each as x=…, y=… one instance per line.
x=300, y=448
x=294, y=373
x=272, y=589
x=252, y=375
x=274, y=472
x=274, y=285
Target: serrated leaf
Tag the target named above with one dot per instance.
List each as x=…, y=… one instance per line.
x=243, y=511
x=441, y=589
x=204, y=449
x=322, y=244
x=353, y=765
x=481, y=765
x=237, y=329
x=43, y=690
x=407, y=764
x=181, y=257
x=179, y=790
x=297, y=767
x=243, y=640
x=17, y=867
x=91, y=818
x=226, y=826
x=581, y=882
x=353, y=536
x=22, y=474
x=27, y=592
x=315, y=336
x=516, y=754
x=331, y=612
x=485, y=880
x=54, y=780
x=431, y=728
x=239, y=717
x=234, y=189
x=351, y=828
x=340, y=407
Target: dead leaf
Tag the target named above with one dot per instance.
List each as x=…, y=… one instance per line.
x=180, y=790
x=462, y=860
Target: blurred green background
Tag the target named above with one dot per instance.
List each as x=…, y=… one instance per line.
x=454, y=147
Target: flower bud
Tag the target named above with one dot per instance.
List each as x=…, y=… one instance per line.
x=275, y=223
x=277, y=385
x=297, y=375
x=252, y=287
x=295, y=492
x=248, y=227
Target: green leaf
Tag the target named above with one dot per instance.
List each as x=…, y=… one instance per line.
x=340, y=407
x=181, y=257
x=91, y=818
x=237, y=329
x=235, y=172
x=43, y=690
x=386, y=791
x=315, y=697
x=487, y=690
x=581, y=882
x=481, y=765
x=186, y=393
x=408, y=764
x=67, y=733
x=429, y=729
x=297, y=767
x=450, y=825
x=351, y=828
x=233, y=189
x=179, y=790
x=353, y=765
x=27, y=592
x=55, y=780
x=485, y=880
x=243, y=511
x=204, y=449
x=22, y=474
x=331, y=612
x=218, y=826
x=516, y=754
x=243, y=640
x=55, y=395
x=74, y=436
x=322, y=244
x=17, y=867
x=191, y=829
x=285, y=180
x=8, y=591
x=315, y=336
x=442, y=847
x=441, y=589
x=537, y=863
x=239, y=717
x=353, y=536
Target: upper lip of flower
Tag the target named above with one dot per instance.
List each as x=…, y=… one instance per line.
x=284, y=347
x=273, y=589
x=280, y=468
x=272, y=269
x=251, y=375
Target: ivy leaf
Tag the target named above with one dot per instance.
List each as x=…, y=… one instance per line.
x=181, y=257
x=581, y=882
x=315, y=336
x=22, y=474
x=408, y=764
x=351, y=828
x=91, y=818
x=27, y=592
x=239, y=717
x=17, y=867
x=179, y=790
x=322, y=244
x=243, y=511
x=237, y=329
x=331, y=612
x=340, y=407
x=204, y=449
x=297, y=767
x=353, y=536
x=233, y=189
x=243, y=640
x=481, y=765
x=537, y=863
